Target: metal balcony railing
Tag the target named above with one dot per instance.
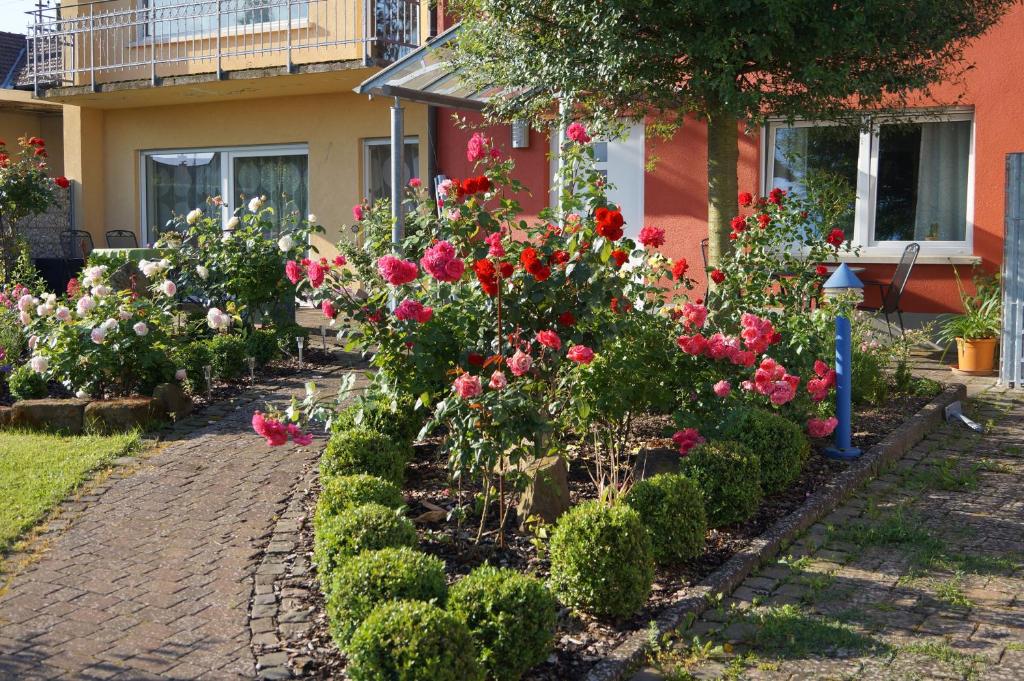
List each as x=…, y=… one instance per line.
x=81, y=44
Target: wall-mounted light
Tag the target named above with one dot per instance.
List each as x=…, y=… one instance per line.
x=520, y=134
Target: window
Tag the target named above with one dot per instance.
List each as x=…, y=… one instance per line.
x=169, y=19
x=912, y=177
x=377, y=166
x=178, y=181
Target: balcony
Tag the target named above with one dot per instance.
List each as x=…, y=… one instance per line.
x=86, y=45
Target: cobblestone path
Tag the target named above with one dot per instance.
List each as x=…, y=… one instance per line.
x=151, y=574
x=920, y=575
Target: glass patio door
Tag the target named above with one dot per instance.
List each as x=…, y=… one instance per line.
x=282, y=177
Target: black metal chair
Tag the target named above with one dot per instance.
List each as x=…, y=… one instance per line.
x=892, y=292
x=121, y=238
x=76, y=244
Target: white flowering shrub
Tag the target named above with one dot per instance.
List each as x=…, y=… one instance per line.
x=234, y=268
x=100, y=342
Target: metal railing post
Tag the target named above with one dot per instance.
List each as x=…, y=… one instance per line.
x=152, y=46
x=289, y=36
x=220, y=71
x=366, y=33
x=92, y=48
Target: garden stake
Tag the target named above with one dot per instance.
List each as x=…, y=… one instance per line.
x=843, y=281
x=299, y=342
x=208, y=376
x=251, y=361
x=323, y=335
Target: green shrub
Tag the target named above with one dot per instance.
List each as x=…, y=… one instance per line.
x=358, y=585
x=340, y=492
x=412, y=641
x=192, y=357
x=361, y=528
x=601, y=560
x=361, y=450
x=672, y=511
x=227, y=355
x=729, y=477
x=261, y=344
x=12, y=337
x=402, y=423
x=26, y=384
x=511, y=618
x=780, y=445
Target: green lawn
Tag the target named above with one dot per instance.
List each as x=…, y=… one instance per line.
x=38, y=470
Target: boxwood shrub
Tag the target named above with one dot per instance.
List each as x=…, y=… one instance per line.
x=369, y=527
x=26, y=384
x=261, y=344
x=780, y=445
x=402, y=423
x=339, y=492
x=354, y=588
x=672, y=511
x=227, y=355
x=601, y=559
x=729, y=477
x=412, y=641
x=362, y=450
x=511, y=617
x=192, y=357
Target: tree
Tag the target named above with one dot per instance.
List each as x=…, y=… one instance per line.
x=25, y=190
x=729, y=62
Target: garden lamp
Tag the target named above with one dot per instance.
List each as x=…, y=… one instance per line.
x=843, y=282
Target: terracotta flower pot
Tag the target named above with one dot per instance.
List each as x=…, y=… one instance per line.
x=976, y=355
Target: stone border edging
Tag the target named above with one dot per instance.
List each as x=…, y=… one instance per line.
x=725, y=579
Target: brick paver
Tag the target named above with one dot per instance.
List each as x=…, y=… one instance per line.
x=920, y=575
x=154, y=574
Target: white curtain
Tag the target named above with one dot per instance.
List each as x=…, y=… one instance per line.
x=942, y=181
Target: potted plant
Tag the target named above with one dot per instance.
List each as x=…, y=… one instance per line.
x=976, y=331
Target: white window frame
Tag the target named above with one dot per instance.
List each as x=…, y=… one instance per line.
x=867, y=182
x=227, y=174
x=383, y=142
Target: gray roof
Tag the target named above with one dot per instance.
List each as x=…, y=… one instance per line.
x=12, y=58
x=424, y=75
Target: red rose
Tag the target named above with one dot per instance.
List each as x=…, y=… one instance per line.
x=506, y=269
x=609, y=223
x=486, y=275
x=738, y=224
x=469, y=186
x=483, y=184
x=679, y=269
x=836, y=237
x=559, y=257
x=746, y=198
x=775, y=196
x=62, y=182
x=475, y=359
x=763, y=219
x=619, y=257
x=821, y=270
x=566, y=318
x=717, y=276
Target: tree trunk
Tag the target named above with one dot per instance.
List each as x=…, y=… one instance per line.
x=723, y=155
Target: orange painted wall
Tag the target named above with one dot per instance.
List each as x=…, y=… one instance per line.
x=675, y=193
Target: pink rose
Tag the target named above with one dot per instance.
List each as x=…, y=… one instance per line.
x=521, y=363
x=298, y=437
x=468, y=386
x=415, y=183
x=782, y=392
x=413, y=310
x=293, y=271
x=580, y=354
x=357, y=212
x=686, y=440
x=316, y=274
x=549, y=339
x=497, y=249
x=695, y=345
x=498, y=381
x=821, y=427
x=652, y=237
x=722, y=388
x=339, y=260
x=328, y=309
x=577, y=133
x=396, y=271
x=694, y=315
x=441, y=263
x=272, y=430
x=476, y=148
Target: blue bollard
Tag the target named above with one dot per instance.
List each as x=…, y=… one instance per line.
x=843, y=448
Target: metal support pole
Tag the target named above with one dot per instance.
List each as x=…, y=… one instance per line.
x=220, y=71
x=367, y=42
x=397, y=164
x=843, y=448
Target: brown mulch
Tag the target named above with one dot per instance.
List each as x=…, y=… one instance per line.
x=580, y=640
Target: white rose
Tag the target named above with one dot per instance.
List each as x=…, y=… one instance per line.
x=81, y=394
x=180, y=375
x=124, y=314
x=193, y=216
x=140, y=329
x=168, y=288
x=165, y=264
x=255, y=204
x=63, y=314
x=85, y=303
x=42, y=310
x=39, y=364
x=33, y=341
x=110, y=324
x=101, y=290
x=98, y=335
x=216, y=319
x=233, y=222
x=25, y=318
x=202, y=272
x=149, y=268
x=286, y=243
x=27, y=302
x=51, y=299
x=312, y=219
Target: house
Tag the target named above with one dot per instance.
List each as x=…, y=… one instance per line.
x=935, y=175
x=167, y=102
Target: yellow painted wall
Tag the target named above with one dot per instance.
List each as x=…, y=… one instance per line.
x=332, y=125
x=15, y=124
